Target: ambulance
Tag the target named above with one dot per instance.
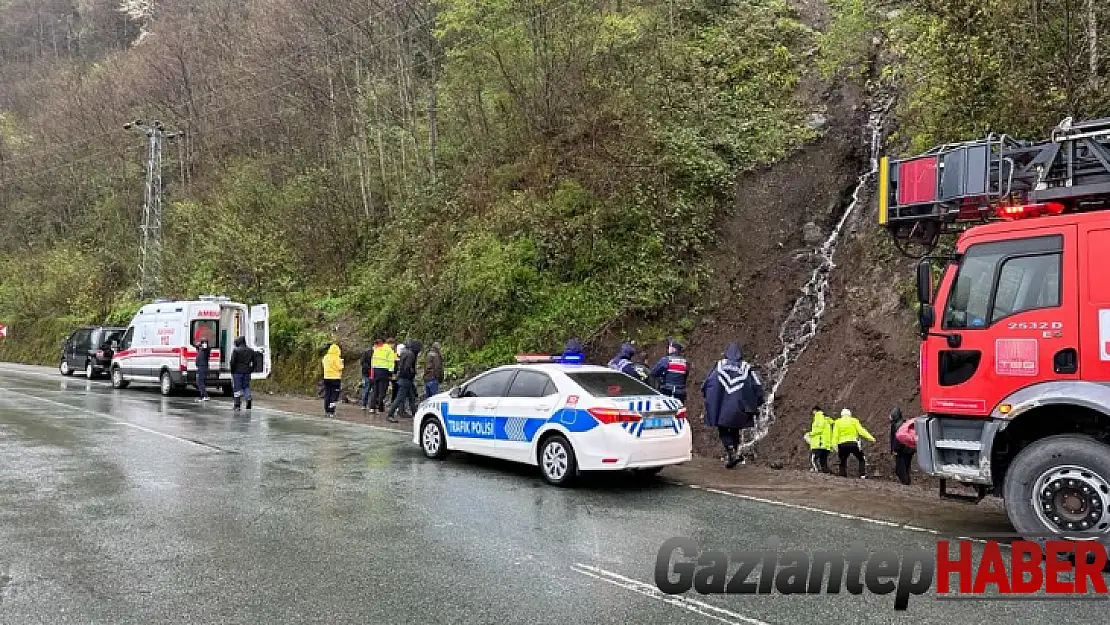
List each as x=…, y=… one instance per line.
x=159, y=346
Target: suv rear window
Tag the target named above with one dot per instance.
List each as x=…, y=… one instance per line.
x=610, y=384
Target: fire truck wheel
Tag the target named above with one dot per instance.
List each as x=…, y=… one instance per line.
x=1060, y=484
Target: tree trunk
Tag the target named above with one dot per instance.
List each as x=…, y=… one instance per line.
x=433, y=130
x=1092, y=46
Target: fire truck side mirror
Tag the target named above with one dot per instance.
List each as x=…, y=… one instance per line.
x=924, y=282
x=926, y=318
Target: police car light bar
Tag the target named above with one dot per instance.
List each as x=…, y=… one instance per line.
x=534, y=358
x=562, y=359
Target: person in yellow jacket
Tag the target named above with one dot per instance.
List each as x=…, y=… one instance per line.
x=846, y=433
x=333, y=378
x=820, y=441
x=381, y=364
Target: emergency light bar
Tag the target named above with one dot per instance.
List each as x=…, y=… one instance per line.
x=562, y=359
x=1026, y=211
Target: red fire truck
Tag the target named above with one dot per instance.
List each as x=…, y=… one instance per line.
x=1015, y=336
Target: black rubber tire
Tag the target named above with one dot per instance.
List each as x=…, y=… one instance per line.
x=571, y=471
x=440, y=446
x=64, y=369
x=1031, y=462
x=228, y=390
x=166, y=385
x=90, y=373
x=117, y=379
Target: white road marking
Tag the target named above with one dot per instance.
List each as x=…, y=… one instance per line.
x=104, y=415
x=693, y=605
x=842, y=515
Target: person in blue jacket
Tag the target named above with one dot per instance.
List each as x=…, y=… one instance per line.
x=671, y=371
x=623, y=361
x=733, y=395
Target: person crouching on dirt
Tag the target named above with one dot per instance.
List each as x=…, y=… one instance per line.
x=623, y=360
x=847, y=431
x=241, y=365
x=733, y=394
x=671, y=372
x=820, y=441
x=903, y=454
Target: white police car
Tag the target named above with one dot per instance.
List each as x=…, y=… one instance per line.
x=563, y=418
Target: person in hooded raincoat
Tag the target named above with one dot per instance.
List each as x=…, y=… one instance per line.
x=733, y=394
x=241, y=365
x=333, y=378
x=903, y=454
x=623, y=361
x=820, y=441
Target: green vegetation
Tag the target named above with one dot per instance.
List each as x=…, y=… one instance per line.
x=497, y=176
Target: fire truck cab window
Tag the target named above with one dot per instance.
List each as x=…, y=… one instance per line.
x=1022, y=274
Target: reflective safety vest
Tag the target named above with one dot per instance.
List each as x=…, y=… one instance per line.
x=821, y=432
x=849, y=430
x=383, y=357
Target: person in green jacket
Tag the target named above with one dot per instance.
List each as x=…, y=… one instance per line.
x=820, y=441
x=846, y=433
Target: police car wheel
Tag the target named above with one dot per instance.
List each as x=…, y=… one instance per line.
x=1060, y=484
x=557, y=462
x=432, y=440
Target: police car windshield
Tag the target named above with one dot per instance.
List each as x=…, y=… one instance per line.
x=610, y=384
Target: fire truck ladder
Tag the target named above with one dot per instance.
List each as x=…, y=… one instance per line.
x=955, y=186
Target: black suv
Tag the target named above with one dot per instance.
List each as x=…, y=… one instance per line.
x=89, y=349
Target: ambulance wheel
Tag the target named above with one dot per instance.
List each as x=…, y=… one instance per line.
x=165, y=384
x=64, y=368
x=117, y=379
x=557, y=462
x=1060, y=484
x=432, y=440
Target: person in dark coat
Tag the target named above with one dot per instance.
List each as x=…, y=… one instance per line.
x=204, y=357
x=364, y=364
x=733, y=394
x=671, y=371
x=903, y=454
x=623, y=360
x=433, y=371
x=406, y=379
x=241, y=365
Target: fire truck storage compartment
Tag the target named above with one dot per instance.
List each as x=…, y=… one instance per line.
x=964, y=172
x=917, y=181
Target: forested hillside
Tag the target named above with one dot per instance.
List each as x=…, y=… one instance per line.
x=500, y=175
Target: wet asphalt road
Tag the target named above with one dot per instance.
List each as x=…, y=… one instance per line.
x=125, y=507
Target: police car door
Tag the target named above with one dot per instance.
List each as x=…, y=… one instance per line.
x=470, y=419
x=528, y=404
